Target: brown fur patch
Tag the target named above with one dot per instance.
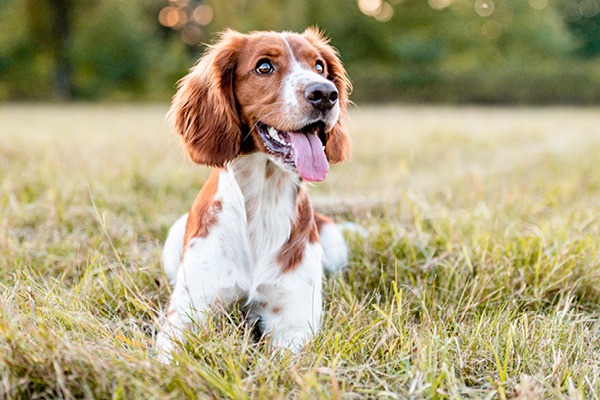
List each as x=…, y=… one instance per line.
x=313, y=236
x=304, y=230
x=205, y=210
x=259, y=96
x=204, y=110
x=270, y=169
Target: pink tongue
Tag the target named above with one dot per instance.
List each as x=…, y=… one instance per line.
x=310, y=157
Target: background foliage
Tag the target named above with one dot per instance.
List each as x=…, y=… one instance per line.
x=485, y=51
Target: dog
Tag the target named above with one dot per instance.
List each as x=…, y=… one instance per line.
x=267, y=111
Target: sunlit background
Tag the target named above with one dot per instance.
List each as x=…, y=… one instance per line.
x=452, y=51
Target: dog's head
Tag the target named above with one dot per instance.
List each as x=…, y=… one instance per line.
x=284, y=94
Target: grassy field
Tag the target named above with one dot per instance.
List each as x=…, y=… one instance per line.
x=479, y=277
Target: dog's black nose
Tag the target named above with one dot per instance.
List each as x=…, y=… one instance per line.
x=322, y=95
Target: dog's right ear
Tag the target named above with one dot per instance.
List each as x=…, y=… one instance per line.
x=337, y=142
x=204, y=111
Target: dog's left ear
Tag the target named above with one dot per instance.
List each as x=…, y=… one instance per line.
x=204, y=110
x=338, y=143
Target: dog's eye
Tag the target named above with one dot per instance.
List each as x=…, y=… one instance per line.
x=319, y=67
x=264, y=67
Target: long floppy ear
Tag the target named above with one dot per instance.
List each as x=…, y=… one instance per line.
x=338, y=143
x=203, y=110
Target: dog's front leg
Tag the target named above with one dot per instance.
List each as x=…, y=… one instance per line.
x=214, y=270
x=208, y=278
x=289, y=309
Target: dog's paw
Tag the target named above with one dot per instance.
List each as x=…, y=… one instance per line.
x=163, y=348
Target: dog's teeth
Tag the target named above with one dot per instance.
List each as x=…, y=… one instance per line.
x=273, y=133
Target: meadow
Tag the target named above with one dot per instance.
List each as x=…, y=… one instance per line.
x=478, y=275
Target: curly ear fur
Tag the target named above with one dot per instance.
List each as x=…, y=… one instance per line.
x=338, y=143
x=203, y=110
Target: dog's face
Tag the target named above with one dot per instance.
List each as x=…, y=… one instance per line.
x=284, y=94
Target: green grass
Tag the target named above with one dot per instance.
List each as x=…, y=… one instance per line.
x=480, y=276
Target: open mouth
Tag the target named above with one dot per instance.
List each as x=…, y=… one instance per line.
x=302, y=149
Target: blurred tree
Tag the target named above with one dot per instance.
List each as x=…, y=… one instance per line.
x=583, y=18
x=50, y=23
x=112, y=48
x=89, y=49
x=22, y=66
x=438, y=50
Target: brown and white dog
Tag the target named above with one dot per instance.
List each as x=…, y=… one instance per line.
x=267, y=110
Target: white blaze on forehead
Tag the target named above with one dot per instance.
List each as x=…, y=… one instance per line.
x=296, y=80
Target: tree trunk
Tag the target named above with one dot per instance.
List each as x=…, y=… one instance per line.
x=62, y=12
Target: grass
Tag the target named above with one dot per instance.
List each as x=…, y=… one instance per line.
x=479, y=278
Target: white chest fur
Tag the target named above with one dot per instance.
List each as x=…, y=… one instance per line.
x=270, y=202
